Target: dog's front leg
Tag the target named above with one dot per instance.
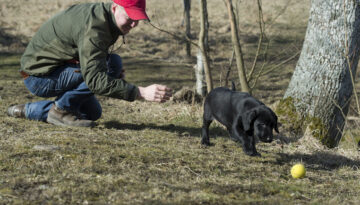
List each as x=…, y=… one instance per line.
x=250, y=145
x=248, y=142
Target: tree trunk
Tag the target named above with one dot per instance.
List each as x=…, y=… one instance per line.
x=200, y=75
x=237, y=48
x=321, y=86
x=187, y=7
x=203, y=43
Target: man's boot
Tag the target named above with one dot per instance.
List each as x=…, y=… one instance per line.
x=62, y=117
x=17, y=111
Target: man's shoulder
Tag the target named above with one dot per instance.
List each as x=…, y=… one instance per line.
x=86, y=11
x=89, y=6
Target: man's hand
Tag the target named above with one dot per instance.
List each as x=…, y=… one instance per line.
x=155, y=93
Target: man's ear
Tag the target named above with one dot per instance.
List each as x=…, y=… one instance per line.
x=113, y=7
x=248, y=119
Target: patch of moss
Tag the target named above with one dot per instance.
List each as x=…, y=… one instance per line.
x=298, y=123
x=319, y=131
x=288, y=116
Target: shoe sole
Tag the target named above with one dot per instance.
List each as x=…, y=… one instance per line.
x=60, y=123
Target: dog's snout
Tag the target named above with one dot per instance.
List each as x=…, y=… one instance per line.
x=269, y=139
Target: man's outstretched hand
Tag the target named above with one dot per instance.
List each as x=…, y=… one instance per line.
x=155, y=93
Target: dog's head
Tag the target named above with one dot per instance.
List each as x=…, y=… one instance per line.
x=259, y=122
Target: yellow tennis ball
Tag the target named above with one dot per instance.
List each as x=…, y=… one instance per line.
x=298, y=171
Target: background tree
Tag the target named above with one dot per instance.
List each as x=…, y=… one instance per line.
x=204, y=82
x=187, y=8
x=251, y=75
x=203, y=66
x=237, y=48
x=322, y=84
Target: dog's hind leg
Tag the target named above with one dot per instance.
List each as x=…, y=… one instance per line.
x=207, y=119
x=205, y=140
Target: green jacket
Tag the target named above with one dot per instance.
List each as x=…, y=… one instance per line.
x=84, y=32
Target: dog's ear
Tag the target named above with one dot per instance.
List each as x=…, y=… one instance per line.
x=276, y=127
x=233, y=88
x=248, y=119
x=274, y=120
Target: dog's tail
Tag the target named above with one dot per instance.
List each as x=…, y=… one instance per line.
x=233, y=86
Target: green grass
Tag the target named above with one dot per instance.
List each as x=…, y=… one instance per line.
x=148, y=153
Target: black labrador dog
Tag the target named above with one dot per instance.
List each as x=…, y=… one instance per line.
x=244, y=117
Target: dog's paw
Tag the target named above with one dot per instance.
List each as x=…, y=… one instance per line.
x=206, y=143
x=253, y=153
x=256, y=154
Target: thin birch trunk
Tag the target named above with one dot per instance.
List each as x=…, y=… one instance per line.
x=204, y=45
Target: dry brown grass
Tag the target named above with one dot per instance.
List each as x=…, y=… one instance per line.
x=147, y=153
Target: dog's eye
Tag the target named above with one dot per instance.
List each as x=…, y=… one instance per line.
x=262, y=124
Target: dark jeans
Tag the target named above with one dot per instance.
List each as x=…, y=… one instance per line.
x=68, y=86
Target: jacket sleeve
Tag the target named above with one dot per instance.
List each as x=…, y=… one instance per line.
x=92, y=55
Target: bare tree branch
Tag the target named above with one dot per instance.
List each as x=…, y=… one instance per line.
x=261, y=36
x=282, y=63
x=174, y=35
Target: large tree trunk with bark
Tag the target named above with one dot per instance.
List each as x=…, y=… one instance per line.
x=321, y=86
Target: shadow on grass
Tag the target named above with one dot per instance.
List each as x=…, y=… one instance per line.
x=7, y=65
x=320, y=160
x=187, y=131
x=7, y=54
x=14, y=43
x=9, y=61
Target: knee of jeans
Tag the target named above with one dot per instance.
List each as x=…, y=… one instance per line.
x=41, y=87
x=114, y=64
x=96, y=115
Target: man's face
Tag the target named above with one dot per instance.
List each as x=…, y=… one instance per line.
x=123, y=22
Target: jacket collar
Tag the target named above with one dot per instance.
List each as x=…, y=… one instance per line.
x=115, y=31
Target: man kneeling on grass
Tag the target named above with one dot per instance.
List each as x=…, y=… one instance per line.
x=68, y=59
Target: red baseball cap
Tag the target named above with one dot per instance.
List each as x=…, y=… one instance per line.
x=135, y=9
